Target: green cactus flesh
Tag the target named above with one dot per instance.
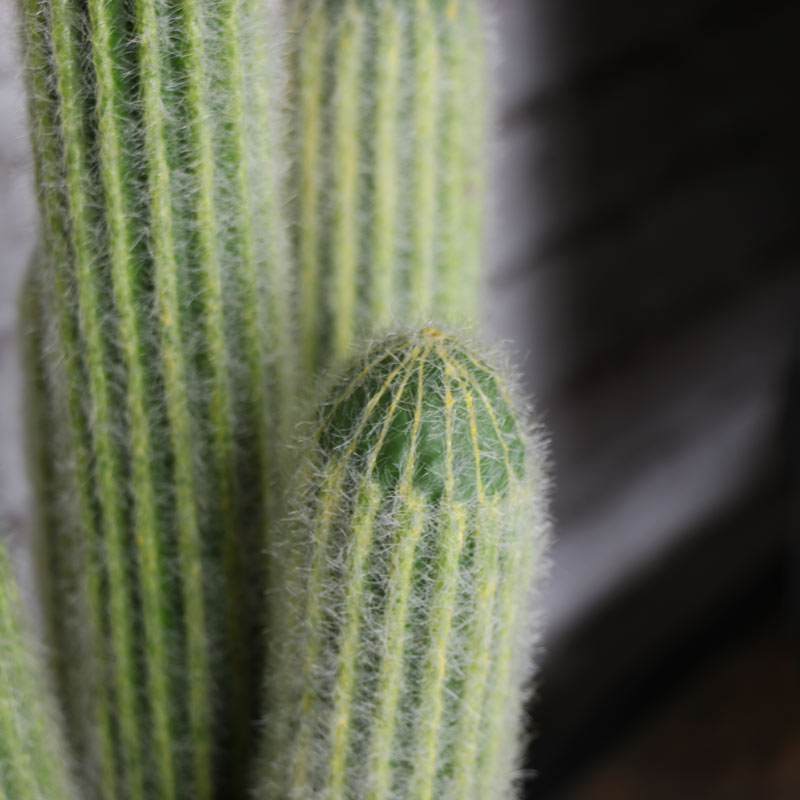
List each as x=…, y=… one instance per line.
x=33, y=763
x=416, y=539
x=388, y=135
x=158, y=309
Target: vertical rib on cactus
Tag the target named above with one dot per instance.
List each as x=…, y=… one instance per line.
x=33, y=764
x=112, y=129
x=413, y=549
x=95, y=335
x=158, y=311
x=73, y=567
x=425, y=64
x=387, y=103
x=389, y=127
x=166, y=277
x=69, y=560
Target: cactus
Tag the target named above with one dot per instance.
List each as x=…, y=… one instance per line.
x=33, y=763
x=158, y=311
x=389, y=107
x=416, y=537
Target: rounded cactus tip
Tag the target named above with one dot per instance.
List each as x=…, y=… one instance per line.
x=426, y=410
x=417, y=539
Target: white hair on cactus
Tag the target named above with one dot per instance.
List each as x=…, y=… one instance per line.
x=389, y=131
x=161, y=312
x=33, y=758
x=417, y=535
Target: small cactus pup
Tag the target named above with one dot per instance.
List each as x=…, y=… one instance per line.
x=389, y=126
x=33, y=764
x=417, y=539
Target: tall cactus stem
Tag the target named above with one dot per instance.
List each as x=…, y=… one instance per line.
x=158, y=154
x=389, y=136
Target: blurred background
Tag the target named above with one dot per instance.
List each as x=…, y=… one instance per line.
x=644, y=266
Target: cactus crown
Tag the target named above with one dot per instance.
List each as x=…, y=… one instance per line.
x=425, y=405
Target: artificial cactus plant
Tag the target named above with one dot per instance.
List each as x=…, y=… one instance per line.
x=388, y=131
x=417, y=535
x=33, y=758
x=165, y=360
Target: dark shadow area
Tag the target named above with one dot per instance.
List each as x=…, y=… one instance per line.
x=655, y=687
x=647, y=269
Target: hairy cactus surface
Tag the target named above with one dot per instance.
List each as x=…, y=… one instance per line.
x=416, y=539
x=33, y=763
x=390, y=117
x=156, y=310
